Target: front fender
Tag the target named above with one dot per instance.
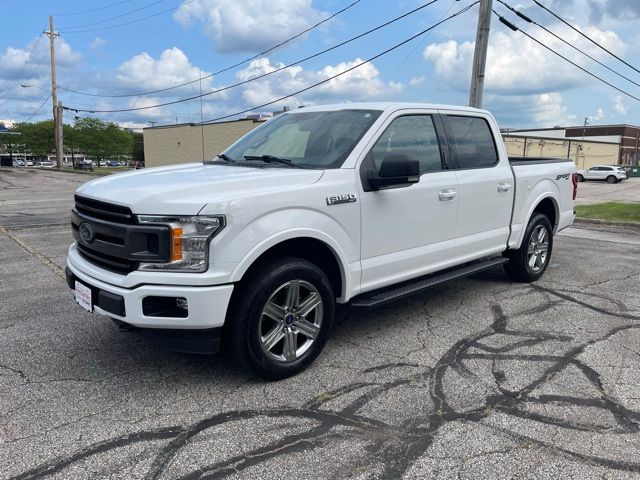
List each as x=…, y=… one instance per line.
x=246, y=245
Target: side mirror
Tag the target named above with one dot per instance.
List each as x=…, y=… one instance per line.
x=397, y=169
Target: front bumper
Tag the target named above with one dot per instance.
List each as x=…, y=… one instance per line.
x=206, y=306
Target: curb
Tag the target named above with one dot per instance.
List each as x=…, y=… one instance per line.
x=597, y=222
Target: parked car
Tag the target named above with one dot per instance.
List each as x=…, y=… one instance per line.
x=45, y=165
x=360, y=203
x=113, y=163
x=610, y=174
x=29, y=163
x=84, y=165
x=19, y=163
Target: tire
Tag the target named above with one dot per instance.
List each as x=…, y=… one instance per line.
x=612, y=179
x=519, y=267
x=580, y=178
x=266, y=324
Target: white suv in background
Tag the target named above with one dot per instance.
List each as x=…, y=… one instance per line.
x=610, y=174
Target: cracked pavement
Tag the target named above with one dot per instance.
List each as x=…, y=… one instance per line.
x=481, y=378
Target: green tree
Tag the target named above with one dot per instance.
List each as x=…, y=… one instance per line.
x=102, y=139
x=37, y=137
x=138, y=147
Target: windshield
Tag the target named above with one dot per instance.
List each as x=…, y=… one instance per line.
x=305, y=139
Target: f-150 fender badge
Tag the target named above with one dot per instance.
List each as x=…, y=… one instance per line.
x=564, y=176
x=337, y=199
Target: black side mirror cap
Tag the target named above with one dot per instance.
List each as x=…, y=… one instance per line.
x=396, y=170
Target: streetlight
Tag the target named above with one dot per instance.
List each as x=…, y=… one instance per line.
x=28, y=85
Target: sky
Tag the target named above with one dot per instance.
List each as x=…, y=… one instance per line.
x=126, y=47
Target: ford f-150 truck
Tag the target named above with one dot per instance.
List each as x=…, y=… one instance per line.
x=359, y=203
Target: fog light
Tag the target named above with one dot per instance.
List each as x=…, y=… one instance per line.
x=182, y=303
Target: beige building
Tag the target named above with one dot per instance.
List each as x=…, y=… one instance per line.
x=585, y=153
x=186, y=143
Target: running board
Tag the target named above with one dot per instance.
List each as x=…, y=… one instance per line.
x=395, y=292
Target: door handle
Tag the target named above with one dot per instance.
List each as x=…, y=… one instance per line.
x=504, y=187
x=446, y=195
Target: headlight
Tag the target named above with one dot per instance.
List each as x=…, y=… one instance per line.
x=190, y=237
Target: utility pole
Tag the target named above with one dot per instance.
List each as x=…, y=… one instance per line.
x=57, y=110
x=480, y=54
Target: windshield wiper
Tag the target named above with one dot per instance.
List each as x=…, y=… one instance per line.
x=271, y=159
x=225, y=157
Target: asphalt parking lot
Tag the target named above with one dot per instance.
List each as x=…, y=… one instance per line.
x=599, y=192
x=482, y=378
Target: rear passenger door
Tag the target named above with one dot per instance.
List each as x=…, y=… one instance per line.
x=485, y=186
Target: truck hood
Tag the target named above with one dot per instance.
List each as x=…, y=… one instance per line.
x=186, y=189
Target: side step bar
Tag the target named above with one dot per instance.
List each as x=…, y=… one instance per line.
x=395, y=292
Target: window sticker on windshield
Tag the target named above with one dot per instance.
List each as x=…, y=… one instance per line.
x=367, y=115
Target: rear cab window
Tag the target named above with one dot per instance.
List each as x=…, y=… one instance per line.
x=471, y=141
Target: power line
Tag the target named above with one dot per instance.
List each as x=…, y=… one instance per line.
x=114, y=18
x=528, y=19
x=370, y=59
x=90, y=11
x=225, y=69
x=132, y=21
x=586, y=36
x=38, y=109
x=14, y=99
x=279, y=69
x=516, y=29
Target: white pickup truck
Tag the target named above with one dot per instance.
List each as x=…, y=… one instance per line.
x=360, y=203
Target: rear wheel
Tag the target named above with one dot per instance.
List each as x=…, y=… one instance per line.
x=611, y=179
x=529, y=262
x=580, y=178
x=281, y=318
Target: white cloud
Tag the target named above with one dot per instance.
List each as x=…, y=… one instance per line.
x=598, y=116
x=7, y=122
x=510, y=61
x=97, y=43
x=529, y=111
x=249, y=25
x=143, y=72
x=619, y=105
x=138, y=102
x=415, y=81
x=359, y=84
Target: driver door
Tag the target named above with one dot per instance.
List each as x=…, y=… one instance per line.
x=408, y=230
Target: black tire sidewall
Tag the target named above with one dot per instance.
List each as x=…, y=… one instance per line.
x=535, y=222
x=252, y=297
x=580, y=178
x=615, y=180
x=518, y=266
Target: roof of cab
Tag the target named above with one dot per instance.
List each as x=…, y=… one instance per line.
x=387, y=106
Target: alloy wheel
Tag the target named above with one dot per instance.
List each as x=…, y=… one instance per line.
x=538, y=248
x=290, y=321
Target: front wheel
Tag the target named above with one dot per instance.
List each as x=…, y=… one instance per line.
x=580, y=178
x=529, y=262
x=281, y=317
x=611, y=179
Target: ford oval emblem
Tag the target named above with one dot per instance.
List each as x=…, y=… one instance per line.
x=87, y=233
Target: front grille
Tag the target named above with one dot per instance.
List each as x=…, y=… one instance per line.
x=108, y=262
x=104, y=211
x=117, y=243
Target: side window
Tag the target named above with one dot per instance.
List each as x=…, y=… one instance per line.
x=413, y=135
x=472, y=142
